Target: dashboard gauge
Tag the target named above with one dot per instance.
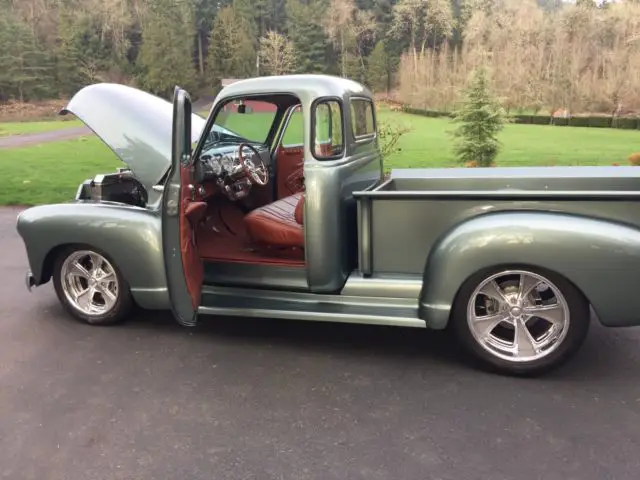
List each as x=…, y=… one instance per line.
x=216, y=168
x=227, y=163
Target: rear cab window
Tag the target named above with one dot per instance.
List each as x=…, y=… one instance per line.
x=327, y=129
x=363, y=122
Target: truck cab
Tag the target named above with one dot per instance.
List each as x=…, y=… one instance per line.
x=269, y=203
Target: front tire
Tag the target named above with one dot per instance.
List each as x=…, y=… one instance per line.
x=520, y=321
x=90, y=286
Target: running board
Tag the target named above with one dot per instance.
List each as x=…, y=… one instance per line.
x=399, y=312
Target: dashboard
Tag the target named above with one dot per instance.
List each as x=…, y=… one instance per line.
x=221, y=165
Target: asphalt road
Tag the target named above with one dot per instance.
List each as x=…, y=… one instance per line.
x=15, y=141
x=240, y=399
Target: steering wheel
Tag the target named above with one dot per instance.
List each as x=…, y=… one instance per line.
x=255, y=173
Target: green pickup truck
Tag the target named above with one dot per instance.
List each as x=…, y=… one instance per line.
x=277, y=206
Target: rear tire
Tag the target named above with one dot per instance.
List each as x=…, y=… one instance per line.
x=90, y=286
x=520, y=320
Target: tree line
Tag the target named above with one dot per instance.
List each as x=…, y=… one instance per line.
x=541, y=53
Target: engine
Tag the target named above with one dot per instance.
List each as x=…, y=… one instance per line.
x=120, y=187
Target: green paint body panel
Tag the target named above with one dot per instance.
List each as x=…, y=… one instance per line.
x=402, y=247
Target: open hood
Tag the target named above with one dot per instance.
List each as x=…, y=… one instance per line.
x=136, y=125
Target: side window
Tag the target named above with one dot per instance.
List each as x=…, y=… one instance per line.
x=327, y=137
x=362, y=119
x=293, y=134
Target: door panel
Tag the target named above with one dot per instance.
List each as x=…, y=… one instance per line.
x=182, y=210
x=191, y=213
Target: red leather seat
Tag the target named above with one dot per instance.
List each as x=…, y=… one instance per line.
x=278, y=224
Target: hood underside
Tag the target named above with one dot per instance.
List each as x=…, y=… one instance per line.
x=136, y=125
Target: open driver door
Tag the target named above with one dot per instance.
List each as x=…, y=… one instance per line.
x=182, y=210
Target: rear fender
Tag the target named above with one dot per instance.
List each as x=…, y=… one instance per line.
x=600, y=258
x=131, y=236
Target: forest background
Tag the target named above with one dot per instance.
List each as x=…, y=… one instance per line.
x=542, y=55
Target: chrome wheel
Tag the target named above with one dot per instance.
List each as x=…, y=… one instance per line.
x=518, y=316
x=89, y=283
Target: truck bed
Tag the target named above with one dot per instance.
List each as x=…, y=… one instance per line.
x=401, y=220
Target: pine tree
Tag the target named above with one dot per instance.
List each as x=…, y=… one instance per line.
x=166, y=56
x=480, y=119
x=304, y=27
x=379, y=68
x=25, y=69
x=231, y=49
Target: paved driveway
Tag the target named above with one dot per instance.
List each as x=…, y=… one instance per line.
x=15, y=141
x=240, y=399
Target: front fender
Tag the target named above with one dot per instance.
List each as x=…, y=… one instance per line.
x=600, y=258
x=131, y=236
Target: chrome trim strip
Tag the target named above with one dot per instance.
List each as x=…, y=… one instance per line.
x=150, y=290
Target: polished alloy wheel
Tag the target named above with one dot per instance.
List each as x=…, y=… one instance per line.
x=89, y=283
x=518, y=316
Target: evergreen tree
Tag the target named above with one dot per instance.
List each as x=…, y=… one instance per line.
x=480, y=119
x=231, y=49
x=379, y=68
x=246, y=11
x=305, y=30
x=24, y=70
x=205, y=12
x=166, y=56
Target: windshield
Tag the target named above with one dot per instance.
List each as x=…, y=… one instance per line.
x=247, y=121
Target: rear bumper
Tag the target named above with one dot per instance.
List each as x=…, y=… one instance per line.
x=30, y=280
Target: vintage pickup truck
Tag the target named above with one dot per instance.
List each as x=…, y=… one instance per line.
x=277, y=206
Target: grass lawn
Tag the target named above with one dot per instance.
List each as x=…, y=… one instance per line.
x=24, y=128
x=430, y=144
x=52, y=172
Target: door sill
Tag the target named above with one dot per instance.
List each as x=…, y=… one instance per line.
x=400, y=312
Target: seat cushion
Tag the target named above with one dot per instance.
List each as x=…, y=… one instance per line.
x=275, y=224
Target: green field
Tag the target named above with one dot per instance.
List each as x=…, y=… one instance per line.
x=52, y=172
x=24, y=128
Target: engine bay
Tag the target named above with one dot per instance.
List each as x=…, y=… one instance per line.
x=119, y=187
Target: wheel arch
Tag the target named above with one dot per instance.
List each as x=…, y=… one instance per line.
x=601, y=259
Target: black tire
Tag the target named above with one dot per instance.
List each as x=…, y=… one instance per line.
x=579, y=320
x=120, y=310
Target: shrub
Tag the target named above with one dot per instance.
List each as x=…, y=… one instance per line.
x=579, y=121
x=634, y=159
x=541, y=120
x=600, y=122
x=625, y=123
x=389, y=133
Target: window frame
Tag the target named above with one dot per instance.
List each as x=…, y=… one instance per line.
x=360, y=139
x=312, y=137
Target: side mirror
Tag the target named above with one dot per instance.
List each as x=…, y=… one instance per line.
x=181, y=134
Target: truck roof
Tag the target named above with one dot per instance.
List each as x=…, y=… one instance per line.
x=304, y=86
